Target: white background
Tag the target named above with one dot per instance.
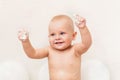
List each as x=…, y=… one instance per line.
x=102, y=19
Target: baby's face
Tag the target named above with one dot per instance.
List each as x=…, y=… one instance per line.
x=61, y=35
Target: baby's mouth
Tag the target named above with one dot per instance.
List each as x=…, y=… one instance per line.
x=59, y=42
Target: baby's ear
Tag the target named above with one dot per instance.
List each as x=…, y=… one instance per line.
x=74, y=35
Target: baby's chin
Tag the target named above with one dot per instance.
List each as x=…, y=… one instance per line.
x=62, y=48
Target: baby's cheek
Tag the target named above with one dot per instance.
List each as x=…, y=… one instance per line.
x=51, y=42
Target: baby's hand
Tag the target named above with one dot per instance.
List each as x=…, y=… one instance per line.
x=23, y=35
x=80, y=22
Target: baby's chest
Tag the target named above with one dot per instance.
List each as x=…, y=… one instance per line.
x=64, y=59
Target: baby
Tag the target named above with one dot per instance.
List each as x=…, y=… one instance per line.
x=64, y=58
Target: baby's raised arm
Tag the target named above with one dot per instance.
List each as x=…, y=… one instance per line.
x=30, y=51
x=85, y=35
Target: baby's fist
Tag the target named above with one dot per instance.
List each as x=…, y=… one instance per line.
x=23, y=35
x=80, y=22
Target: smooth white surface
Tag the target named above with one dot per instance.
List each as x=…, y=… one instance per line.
x=43, y=72
x=13, y=70
x=94, y=70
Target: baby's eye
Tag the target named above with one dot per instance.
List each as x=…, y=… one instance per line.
x=52, y=34
x=62, y=33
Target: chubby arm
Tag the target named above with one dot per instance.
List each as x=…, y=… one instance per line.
x=29, y=49
x=85, y=35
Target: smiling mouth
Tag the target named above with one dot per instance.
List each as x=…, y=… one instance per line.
x=59, y=42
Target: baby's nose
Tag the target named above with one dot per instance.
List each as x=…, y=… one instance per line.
x=57, y=37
